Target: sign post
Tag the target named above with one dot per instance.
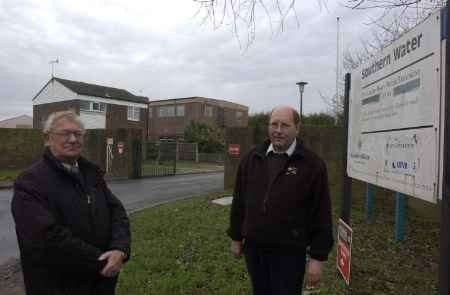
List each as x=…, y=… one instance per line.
x=444, y=255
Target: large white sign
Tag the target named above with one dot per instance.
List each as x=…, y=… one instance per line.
x=394, y=114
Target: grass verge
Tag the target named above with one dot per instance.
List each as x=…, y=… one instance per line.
x=9, y=175
x=181, y=248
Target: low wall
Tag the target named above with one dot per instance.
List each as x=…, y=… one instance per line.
x=327, y=142
x=19, y=148
x=212, y=158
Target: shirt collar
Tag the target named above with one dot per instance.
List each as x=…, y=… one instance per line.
x=69, y=167
x=289, y=151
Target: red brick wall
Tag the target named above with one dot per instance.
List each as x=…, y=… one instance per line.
x=42, y=111
x=117, y=118
x=231, y=118
x=171, y=126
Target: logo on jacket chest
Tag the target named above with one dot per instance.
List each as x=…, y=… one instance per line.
x=291, y=170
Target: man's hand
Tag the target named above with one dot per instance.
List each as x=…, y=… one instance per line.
x=115, y=259
x=236, y=248
x=313, y=272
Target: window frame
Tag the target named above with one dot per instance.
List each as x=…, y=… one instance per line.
x=133, y=113
x=84, y=103
x=166, y=111
x=177, y=111
x=208, y=111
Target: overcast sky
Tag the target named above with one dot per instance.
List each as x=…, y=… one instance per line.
x=161, y=49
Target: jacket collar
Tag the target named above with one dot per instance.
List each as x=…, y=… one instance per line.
x=83, y=163
x=289, y=151
x=299, y=151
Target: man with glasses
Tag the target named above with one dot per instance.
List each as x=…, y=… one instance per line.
x=281, y=210
x=73, y=233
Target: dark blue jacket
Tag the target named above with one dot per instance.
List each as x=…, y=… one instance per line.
x=64, y=222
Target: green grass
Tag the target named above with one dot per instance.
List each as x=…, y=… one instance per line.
x=181, y=248
x=9, y=175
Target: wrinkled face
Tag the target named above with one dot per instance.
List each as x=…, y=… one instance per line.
x=65, y=140
x=282, y=129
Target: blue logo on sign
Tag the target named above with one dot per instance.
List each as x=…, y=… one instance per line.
x=400, y=165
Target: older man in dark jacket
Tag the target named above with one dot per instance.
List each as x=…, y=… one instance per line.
x=281, y=210
x=73, y=233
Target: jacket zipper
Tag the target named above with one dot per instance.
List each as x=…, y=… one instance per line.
x=88, y=198
x=266, y=197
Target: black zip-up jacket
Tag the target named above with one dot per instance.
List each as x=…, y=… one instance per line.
x=292, y=212
x=64, y=222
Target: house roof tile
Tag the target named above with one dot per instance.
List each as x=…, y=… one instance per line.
x=101, y=91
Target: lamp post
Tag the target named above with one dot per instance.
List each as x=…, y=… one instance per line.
x=301, y=88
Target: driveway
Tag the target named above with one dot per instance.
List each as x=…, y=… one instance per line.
x=135, y=194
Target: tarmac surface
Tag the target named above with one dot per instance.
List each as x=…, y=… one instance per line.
x=134, y=194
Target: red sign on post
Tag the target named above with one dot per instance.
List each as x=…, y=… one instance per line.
x=234, y=149
x=344, y=250
x=120, y=146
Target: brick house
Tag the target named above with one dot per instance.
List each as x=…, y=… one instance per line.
x=168, y=118
x=99, y=107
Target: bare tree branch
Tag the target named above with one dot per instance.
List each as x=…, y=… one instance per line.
x=243, y=15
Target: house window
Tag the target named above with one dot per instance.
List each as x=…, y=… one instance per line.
x=91, y=106
x=167, y=111
x=85, y=105
x=134, y=113
x=150, y=112
x=180, y=111
x=208, y=111
x=239, y=115
x=98, y=107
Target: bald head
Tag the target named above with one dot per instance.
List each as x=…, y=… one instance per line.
x=283, y=127
x=287, y=109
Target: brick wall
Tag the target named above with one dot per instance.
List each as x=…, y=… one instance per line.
x=327, y=142
x=193, y=111
x=172, y=126
x=117, y=118
x=231, y=118
x=94, y=147
x=19, y=148
x=244, y=138
x=42, y=111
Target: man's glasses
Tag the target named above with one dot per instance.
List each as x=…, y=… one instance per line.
x=67, y=133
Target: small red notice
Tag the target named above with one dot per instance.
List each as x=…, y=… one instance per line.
x=344, y=250
x=120, y=146
x=234, y=149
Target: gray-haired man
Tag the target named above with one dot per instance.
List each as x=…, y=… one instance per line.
x=73, y=233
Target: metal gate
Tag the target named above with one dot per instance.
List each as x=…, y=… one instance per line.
x=160, y=158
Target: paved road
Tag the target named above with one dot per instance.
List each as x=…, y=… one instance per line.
x=135, y=194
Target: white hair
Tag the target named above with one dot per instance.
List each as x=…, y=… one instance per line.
x=56, y=116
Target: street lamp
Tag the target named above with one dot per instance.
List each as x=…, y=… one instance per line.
x=301, y=87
